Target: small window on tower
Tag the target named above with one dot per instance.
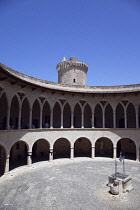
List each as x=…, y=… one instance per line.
x=73, y=80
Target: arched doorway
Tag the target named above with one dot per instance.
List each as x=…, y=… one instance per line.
x=127, y=147
x=77, y=116
x=67, y=116
x=2, y=160
x=40, y=151
x=56, y=116
x=108, y=116
x=3, y=111
x=82, y=147
x=18, y=155
x=104, y=148
x=14, y=113
x=131, y=116
x=98, y=116
x=120, y=116
x=25, y=114
x=46, y=115
x=36, y=115
x=87, y=117
x=61, y=148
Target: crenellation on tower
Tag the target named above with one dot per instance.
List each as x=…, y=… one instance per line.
x=72, y=72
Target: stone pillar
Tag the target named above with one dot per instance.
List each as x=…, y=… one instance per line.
x=72, y=119
x=82, y=120
x=92, y=120
x=8, y=118
x=114, y=152
x=40, y=126
x=103, y=118
x=114, y=118
x=71, y=153
x=51, y=155
x=29, y=158
x=7, y=165
x=51, y=119
x=93, y=152
x=137, y=119
x=125, y=118
x=137, y=154
x=61, y=118
x=30, y=118
x=19, y=118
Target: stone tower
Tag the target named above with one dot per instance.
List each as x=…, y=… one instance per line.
x=72, y=72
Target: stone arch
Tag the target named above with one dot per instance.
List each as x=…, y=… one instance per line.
x=128, y=148
x=25, y=111
x=40, y=150
x=82, y=147
x=14, y=113
x=108, y=116
x=46, y=115
x=57, y=115
x=61, y=148
x=36, y=114
x=98, y=116
x=120, y=122
x=77, y=116
x=67, y=116
x=3, y=111
x=2, y=160
x=18, y=154
x=87, y=116
x=131, y=116
x=104, y=147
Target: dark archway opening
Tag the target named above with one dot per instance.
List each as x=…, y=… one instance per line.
x=61, y=149
x=82, y=148
x=104, y=148
x=2, y=160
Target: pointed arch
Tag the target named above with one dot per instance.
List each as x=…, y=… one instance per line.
x=46, y=115
x=120, y=122
x=77, y=116
x=98, y=116
x=56, y=116
x=87, y=116
x=14, y=113
x=67, y=116
x=25, y=111
x=131, y=116
x=108, y=116
x=61, y=148
x=36, y=114
x=3, y=111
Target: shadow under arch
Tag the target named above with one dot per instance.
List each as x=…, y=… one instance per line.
x=3, y=111
x=104, y=147
x=2, y=160
x=82, y=147
x=18, y=155
x=61, y=148
x=128, y=148
x=40, y=150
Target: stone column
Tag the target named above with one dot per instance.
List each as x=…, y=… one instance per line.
x=103, y=118
x=71, y=153
x=29, y=158
x=51, y=155
x=19, y=118
x=7, y=165
x=40, y=126
x=61, y=118
x=137, y=154
x=8, y=118
x=125, y=118
x=82, y=119
x=72, y=119
x=114, y=118
x=30, y=118
x=114, y=152
x=93, y=152
x=51, y=119
x=92, y=120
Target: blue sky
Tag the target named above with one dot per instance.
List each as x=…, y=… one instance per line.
x=105, y=34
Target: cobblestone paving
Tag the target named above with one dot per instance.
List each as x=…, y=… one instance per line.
x=67, y=185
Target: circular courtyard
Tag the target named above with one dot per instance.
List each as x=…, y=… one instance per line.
x=63, y=184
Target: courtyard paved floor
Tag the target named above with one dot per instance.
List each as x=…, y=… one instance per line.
x=64, y=184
